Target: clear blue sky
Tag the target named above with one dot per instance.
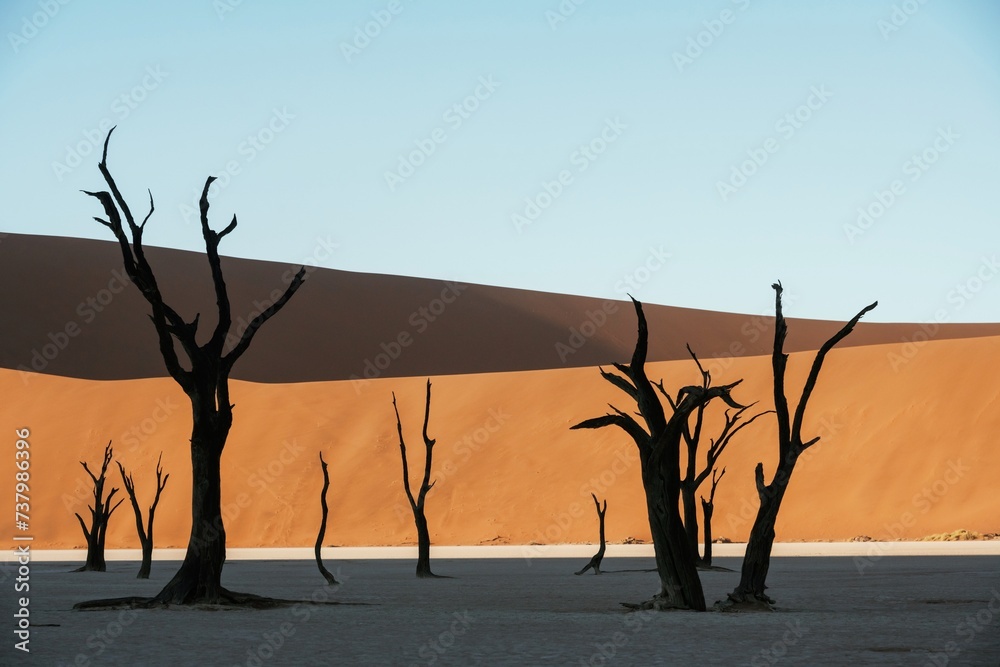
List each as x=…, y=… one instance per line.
x=313, y=118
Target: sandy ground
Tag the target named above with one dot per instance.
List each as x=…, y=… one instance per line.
x=899, y=611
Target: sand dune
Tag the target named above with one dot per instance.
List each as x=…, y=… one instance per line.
x=72, y=315
x=909, y=449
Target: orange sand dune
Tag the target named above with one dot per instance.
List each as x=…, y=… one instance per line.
x=909, y=449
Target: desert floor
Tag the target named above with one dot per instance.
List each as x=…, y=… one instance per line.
x=902, y=610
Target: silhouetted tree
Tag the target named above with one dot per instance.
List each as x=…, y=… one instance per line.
x=595, y=562
x=753, y=576
x=330, y=579
x=204, y=377
x=693, y=479
x=707, y=508
x=659, y=453
x=100, y=514
x=417, y=504
x=145, y=534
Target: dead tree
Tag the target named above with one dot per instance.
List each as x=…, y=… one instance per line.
x=707, y=508
x=100, y=514
x=330, y=580
x=693, y=479
x=753, y=576
x=658, y=443
x=595, y=562
x=203, y=374
x=145, y=533
x=417, y=504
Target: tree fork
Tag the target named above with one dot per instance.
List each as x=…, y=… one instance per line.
x=749, y=593
x=145, y=534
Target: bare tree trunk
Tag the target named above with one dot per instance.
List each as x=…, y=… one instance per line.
x=680, y=586
x=753, y=576
x=708, y=508
x=417, y=504
x=658, y=442
x=204, y=377
x=330, y=579
x=690, y=506
x=595, y=562
x=100, y=514
x=757, y=560
x=145, y=534
x=423, y=546
x=199, y=578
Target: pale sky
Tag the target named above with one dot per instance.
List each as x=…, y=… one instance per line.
x=690, y=153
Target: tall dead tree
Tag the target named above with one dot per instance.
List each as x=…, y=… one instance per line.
x=100, y=514
x=330, y=579
x=693, y=478
x=204, y=377
x=145, y=533
x=417, y=504
x=595, y=562
x=753, y=576
x=658, y=443
x=707, y=508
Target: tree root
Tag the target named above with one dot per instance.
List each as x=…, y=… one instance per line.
x=744, y=603
x=657, y=604
x=226, y=600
